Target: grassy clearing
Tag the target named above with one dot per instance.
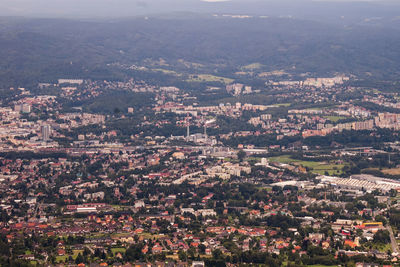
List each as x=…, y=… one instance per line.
x=118, y=250
x=74, y=255
x=76, y=252
x=171, y=72
x=395, y=171
x=268, y=189
x=61, y=258
x=209, y=78
x=231, y=160
x=382, y=247
x=146, y=235
x=120, y=235
x=189, y=64
x=272, y=73
x=315, y=166
x=335, y=118
x=332, y=169
x=253, y=66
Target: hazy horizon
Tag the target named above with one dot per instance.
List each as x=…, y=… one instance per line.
x=313, y=9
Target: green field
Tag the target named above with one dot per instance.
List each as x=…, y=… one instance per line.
x=384, y=248
x=74, y=255
x=315, y=166
x=253, y=66
x=381, y=247
x=209, y=78
x=335, y=118
x=167, y=72
x=116, y=250
x=61, y=258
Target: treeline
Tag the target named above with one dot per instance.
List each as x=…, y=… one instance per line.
x=353, y=138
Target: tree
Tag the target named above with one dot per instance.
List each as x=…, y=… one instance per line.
x=382, y=236
x=381, y=218
x=241, y=155
x=182, y=255
x=202, y=248
x=217, y=254
x=86, y=252
x=79, y=259
x=134, y=253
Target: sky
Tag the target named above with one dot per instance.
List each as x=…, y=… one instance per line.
x=130, y=8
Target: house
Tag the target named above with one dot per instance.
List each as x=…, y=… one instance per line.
x=157, y=249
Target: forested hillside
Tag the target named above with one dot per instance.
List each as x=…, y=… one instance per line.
x=43, y=49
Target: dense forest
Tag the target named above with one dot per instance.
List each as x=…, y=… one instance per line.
x=34, y=50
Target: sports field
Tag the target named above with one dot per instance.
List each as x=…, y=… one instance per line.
x=315, y=166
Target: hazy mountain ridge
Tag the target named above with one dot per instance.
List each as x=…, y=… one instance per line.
x=333, y=10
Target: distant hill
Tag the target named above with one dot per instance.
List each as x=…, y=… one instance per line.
x=38, y=49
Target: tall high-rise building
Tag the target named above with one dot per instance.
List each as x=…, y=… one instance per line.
x=45, y=130
x=25, y=108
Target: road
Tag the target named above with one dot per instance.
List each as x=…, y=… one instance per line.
x=395, y=246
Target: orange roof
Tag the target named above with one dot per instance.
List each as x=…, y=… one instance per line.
x=350, y=243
